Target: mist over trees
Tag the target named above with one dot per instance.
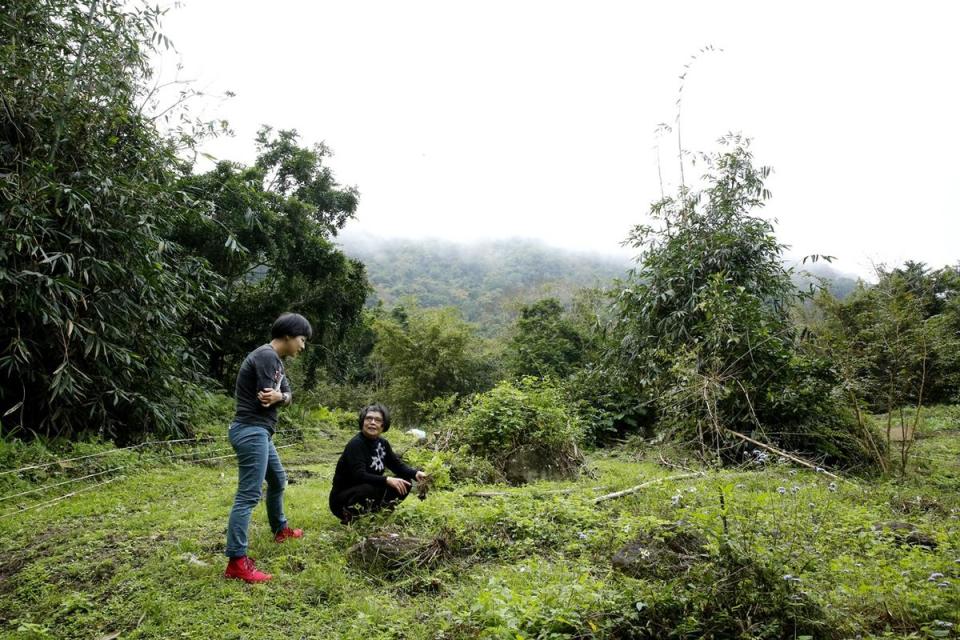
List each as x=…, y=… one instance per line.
x=488, y=281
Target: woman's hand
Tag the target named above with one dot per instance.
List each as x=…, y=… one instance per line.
x=421, y=476
x=399, y=485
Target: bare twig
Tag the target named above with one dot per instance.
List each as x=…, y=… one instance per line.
x=644, y=485
x=485, y=494
x=781, y=452
x=673, y=465
x=497, y=494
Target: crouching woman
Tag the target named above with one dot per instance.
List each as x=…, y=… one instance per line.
x=359, y=483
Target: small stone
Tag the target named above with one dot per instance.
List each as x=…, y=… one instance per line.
x=194, y=560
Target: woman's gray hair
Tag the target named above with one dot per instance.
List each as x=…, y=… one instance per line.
x=379, y=408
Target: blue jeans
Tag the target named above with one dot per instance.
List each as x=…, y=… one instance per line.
x=257, y=460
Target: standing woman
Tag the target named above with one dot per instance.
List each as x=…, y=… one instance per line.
x=359, y=485
x=262, y=386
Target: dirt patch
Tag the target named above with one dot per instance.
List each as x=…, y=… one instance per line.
x=295, y=476
x=905, y=533
x=295, y=564
x=918, y=504
x=11, y=565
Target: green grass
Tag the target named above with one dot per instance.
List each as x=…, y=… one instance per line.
x=143, y=555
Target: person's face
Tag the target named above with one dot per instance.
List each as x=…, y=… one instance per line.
x=373, y=424
x=295, y=345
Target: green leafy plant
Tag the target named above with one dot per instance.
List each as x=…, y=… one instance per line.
x=426, y=354
x=94, y=296
x=530, y=416
x=544, y=342
x=894, y=345
x=703, y=322
x=266, y=230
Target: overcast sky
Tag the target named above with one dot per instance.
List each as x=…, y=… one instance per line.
x=467, y=120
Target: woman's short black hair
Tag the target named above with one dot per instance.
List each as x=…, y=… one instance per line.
x=379, y=408
x=291, y=325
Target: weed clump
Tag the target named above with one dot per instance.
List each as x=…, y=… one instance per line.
x=661, y=555
x=391, y=555
x=726, y=594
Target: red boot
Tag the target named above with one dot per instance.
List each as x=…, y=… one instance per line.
x=287, y=532
x=243, y=568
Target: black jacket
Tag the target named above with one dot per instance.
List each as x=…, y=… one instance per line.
x=364, y=461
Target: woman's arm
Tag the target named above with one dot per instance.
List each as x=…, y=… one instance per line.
x=398, y=466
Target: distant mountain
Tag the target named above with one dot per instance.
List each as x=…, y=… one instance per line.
x=487, y=280
x=839, y=283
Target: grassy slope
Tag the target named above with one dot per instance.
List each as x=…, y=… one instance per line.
x=527, y=564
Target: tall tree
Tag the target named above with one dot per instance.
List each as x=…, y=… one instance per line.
x=93, y=295
x=267, y=231
x=544, y=342
x=704, y=325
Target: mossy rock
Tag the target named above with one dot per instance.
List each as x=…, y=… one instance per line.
x=530, y=464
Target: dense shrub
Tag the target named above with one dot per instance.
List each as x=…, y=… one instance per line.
x=528, y=415
x=610, y=407
x=94, y=297
x=425, y=354
x=704, y=327
x=544, y=342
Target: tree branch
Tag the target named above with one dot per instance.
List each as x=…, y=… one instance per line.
x=781, y=452
x=644, y=485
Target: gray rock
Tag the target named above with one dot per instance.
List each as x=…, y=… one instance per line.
x=529, y=464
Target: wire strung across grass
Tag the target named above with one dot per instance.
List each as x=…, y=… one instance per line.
x=65, y=496
x=105, y=453
x=233, y=455
x=196, y=440
x=62, y=461
x=953, y=460
x=59, y=484
x=99, y=473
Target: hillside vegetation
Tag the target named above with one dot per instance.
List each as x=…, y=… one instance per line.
x=691, y=447
x=487, y=281
x=764, y=549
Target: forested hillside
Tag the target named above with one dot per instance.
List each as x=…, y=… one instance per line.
x=487, y=281
x=839, y=284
